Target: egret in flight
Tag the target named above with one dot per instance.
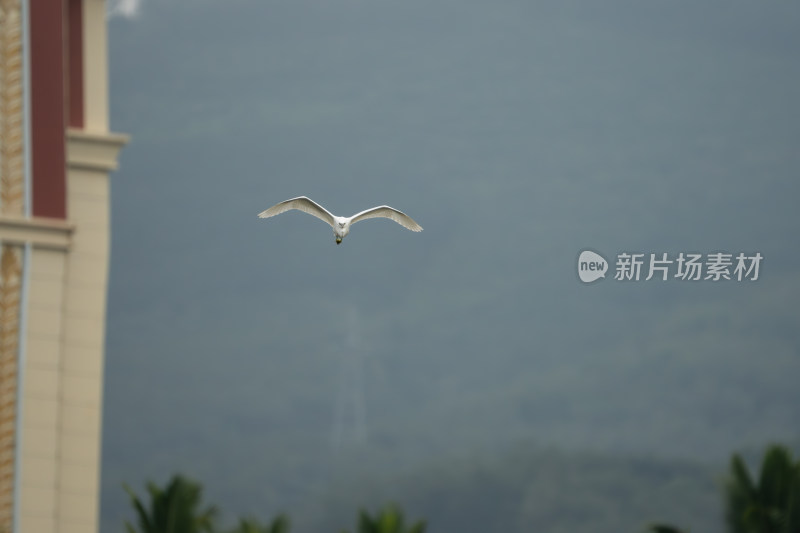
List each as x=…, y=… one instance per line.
x=340, y=225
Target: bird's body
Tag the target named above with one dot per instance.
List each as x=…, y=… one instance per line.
x=340, y=225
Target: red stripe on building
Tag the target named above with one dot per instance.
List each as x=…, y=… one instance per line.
x=48, y=116
x=75, y=61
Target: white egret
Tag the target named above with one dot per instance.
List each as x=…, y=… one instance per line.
x=340, y=225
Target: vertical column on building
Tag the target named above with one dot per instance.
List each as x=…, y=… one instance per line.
x=41, y=392
x=73, y=153
x=91, y=156
x=11, y=204
x=67, y=227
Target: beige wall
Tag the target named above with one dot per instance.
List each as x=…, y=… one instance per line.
x=61, y=394
x=40, y=420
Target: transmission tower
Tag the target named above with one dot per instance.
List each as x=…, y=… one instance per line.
x=349, y=418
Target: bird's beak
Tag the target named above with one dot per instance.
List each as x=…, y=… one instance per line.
x=338, y=241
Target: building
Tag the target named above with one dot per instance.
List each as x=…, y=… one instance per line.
x=56, y=153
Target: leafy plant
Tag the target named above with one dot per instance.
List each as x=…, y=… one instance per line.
x=173, y=509
x=250, y=525
x=390, y=519
x=771, y=505
x=664, y=528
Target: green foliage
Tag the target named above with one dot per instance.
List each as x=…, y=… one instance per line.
x=771, y=505
x=174, y=509
x=250, y=525
x=664, y=528
x=390, y=519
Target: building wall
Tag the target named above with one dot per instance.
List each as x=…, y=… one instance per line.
x=53, y=298
x=11, y=194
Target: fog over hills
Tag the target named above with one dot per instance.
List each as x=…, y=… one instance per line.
x=284, y=371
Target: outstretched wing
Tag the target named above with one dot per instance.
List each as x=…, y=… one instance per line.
x=384, y=211
x=301, y=203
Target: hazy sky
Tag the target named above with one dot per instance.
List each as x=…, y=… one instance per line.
x=517, y=134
